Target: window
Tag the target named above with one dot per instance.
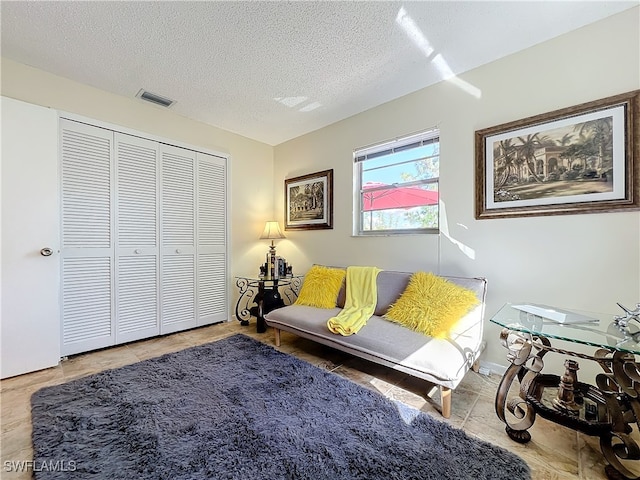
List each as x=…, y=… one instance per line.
x=397, y=185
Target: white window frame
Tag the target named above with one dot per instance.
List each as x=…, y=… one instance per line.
x=360, y=155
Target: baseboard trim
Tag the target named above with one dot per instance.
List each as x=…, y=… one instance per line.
x=493, y=367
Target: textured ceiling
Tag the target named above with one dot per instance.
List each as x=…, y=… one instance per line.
x=272, y=71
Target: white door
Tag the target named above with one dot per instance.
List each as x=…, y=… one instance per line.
x=87, y=237
x=211, y=236
x=137, y=235
x=178, y=259
x=30, y=318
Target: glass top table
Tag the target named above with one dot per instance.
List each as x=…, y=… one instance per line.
x=607, y=409
x=604, y=333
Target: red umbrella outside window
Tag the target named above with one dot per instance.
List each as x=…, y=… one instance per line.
x=381, y=196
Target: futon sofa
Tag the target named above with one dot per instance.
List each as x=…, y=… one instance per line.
x=443, y=362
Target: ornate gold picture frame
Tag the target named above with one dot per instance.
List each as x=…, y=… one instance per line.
x=581, y=159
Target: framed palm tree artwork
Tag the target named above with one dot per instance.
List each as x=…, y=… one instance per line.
x=581, y=159
x=309, y=201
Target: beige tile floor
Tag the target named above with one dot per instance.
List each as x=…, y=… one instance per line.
x=555, y=452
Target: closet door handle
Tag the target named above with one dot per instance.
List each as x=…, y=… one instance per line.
x=46, y=252
x=137, y=250
x=178, y=250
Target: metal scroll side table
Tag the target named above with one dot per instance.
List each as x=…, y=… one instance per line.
x=260, y=295
x=607, y=410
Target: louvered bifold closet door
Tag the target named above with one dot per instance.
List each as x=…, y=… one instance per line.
x=212, y=282
x=137, y=250
x=87, y=192
x=178, y=262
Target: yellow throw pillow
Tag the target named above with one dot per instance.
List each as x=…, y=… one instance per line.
x=431, y=305
x=320, y=287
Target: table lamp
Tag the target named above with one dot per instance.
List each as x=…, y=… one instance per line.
x=272, y=231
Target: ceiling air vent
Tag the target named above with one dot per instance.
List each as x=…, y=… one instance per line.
x=154, y=98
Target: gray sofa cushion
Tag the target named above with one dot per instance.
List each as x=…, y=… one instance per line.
x=390, y=286
x=443, y=361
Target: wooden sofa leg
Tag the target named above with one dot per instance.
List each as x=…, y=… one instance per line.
x=476, y=366
x=277, y=335
x=445, y=395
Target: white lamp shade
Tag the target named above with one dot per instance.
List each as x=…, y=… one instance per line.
x=272, y=230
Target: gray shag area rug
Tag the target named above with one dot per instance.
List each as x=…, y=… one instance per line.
x=239, y=409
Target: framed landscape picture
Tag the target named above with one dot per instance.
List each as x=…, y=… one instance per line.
x=309, y=201
x=581, y=159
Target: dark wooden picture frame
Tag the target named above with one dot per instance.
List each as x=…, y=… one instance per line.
x=309, y=201
x=581, y=159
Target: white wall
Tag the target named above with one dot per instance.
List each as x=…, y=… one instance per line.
x=587, y=262
x=251, y=163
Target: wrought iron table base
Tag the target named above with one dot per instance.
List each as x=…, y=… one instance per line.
x=259, y=296
x=606, y=410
